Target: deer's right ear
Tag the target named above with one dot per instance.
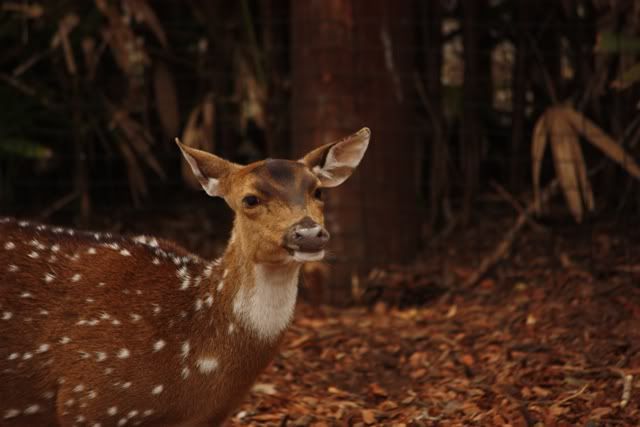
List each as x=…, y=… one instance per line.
x=210, y=170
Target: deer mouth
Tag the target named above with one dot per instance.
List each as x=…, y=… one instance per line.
x=301, y=256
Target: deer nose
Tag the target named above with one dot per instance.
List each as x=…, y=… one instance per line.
x=306, y=236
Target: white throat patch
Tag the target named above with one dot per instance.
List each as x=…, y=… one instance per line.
x=267, y=307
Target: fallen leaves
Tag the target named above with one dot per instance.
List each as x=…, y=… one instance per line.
x=543, y=347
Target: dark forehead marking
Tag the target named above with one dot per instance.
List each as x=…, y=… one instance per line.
x=282, y=171
x=283, y=178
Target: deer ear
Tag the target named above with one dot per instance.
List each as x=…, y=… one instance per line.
x=333, y=163
x=210, y=170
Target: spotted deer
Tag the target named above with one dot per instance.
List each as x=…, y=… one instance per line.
x=100, y=330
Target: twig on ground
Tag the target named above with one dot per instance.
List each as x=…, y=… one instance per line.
x=502, y=192
x=505, y=244
x=626, y=390
x=573, y=396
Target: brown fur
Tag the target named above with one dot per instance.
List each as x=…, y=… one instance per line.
x=128, y=290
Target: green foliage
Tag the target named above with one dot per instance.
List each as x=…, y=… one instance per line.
x=10, y=147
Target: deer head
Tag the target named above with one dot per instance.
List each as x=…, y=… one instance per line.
x=278, y=203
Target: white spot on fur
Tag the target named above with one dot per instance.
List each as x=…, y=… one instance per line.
x=7, y=315
x=11, y=413
x=55, y=248
x=231, y=328
x=123, y=353
x=185, y=372
x=155, y=261
x=206, y=365
x=135, y=317
x=91, y=251
x=209, y=300
x=12, y=268
x=125, y=252
x=159, y=345
x=157, y=389
x=126, y=385
x=220, y=286
x=112, y=410
x=13, y=356
x=48, y=277
x=43, y=348
x=267, y=307
x=101, y=356
x=186, y=348
x=26, y=295
x=78, y=388
x=32, y=409
x=65, y=340
x=147, y=412
x=33, y=254
x=76, y=277
x=197, y=304
x=9, y=245
x=132, y=414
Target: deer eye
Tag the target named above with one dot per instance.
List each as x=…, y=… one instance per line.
x=317, y=193
x=250, y=201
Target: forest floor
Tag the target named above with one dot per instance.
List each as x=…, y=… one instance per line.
x=551, y=337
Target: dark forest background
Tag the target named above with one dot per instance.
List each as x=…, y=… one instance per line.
x=534, y=103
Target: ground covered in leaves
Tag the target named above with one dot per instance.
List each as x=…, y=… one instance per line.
x=551, y=337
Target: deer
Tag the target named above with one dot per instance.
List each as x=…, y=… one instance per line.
x=101, y=330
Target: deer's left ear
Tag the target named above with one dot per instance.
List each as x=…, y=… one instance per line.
x=333, y=163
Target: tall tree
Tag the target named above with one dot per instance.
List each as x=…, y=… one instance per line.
x=477, y=92
x=351, y=67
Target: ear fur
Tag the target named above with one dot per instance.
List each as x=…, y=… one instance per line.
x=209, y=169
x=333, y=163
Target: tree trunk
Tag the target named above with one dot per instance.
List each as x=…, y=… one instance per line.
x=519, y=157
x=438, y=181
x=350, y=66
x=476, y=94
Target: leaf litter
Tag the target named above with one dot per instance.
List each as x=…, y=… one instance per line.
x=550, y=338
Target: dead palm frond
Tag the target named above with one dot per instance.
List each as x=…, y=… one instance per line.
x=562, y=127
x=198, y=133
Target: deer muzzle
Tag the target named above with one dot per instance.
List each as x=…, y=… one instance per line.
x=306, y=236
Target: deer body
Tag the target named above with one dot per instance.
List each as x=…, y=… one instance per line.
x=98, y=330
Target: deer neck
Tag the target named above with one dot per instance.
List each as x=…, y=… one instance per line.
x=261, y=296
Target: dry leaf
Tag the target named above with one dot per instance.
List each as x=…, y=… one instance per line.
x=562, y=126
x=368, y=416
x=142, y=12
x=166, y=97
x=467, y=360
x=264, y=388
x=377, y=390
x=61, y=37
